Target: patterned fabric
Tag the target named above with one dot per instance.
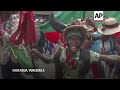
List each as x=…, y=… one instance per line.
x=72, y=67
x=97, y=45
x=12, y=24
x=4, y=49
x=48, y=47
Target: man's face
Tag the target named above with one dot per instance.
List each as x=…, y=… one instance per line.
x=74, y=43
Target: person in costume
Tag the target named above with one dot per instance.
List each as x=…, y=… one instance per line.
x=116, y=37
x=104, y=43
x=87, y=23
x=72, y=62
x=7, y=60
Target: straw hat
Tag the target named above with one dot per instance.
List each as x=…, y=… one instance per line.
x=110, y=26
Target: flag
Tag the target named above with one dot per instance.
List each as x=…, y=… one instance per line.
x=52, y=36
x=63, y=16
x=23, y=57
x=26, y=29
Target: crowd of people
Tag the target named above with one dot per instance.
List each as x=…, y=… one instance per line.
x=82, y=51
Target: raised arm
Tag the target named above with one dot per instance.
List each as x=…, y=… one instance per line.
x=95, y=57
x=110, y=58
x=45, y=59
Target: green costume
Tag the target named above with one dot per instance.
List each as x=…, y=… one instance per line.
x=81, y=59
x=74, y=73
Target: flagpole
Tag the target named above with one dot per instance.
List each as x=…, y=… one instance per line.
x=33, y=63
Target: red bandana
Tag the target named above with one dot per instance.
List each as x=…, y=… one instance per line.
x=70, y=61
